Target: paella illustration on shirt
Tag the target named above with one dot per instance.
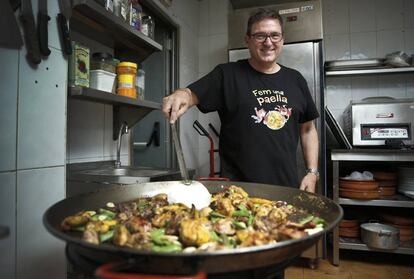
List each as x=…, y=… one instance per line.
x=274, y=119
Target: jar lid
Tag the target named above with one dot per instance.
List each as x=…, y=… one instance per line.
x=127, y=64
x=101, y=55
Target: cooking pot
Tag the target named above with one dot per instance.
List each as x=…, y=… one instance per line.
x=215, y=262
x=380, y=236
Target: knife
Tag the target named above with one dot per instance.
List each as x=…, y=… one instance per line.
x=42, y=21
x=29, y=27
x=62, y=18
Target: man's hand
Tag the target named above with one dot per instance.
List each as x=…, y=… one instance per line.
x=308, y=183
x=176, y=104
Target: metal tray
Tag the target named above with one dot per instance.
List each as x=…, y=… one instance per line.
x=355, y=64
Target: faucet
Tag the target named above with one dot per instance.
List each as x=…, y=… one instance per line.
x=122, y=130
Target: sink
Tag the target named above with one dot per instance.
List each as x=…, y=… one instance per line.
x=128, y=171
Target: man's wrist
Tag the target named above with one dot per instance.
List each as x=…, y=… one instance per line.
x=313, y=171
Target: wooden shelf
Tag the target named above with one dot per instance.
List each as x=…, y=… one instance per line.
x=94, y=21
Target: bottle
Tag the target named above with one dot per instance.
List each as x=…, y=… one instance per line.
x=135, y=14
x=140, y=83
x=124, y=9
x=147, y=27
x=117, y=7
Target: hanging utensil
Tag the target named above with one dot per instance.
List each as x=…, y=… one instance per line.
x=62, y=18
x=29, y=27
x=10, y=36
x=43, y=19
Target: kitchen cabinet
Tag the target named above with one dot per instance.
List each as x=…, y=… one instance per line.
x=94, y=21
x=397, y=201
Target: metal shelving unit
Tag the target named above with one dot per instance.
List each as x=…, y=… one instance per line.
x=370, y=155
x=372, y=71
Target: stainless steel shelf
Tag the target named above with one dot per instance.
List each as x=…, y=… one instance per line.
x=372, y=155
x=369, y=71
x=393, y=201
x=356, y=244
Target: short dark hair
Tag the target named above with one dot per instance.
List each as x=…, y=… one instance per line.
x=261, y=14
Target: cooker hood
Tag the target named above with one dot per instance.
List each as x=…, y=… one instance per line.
x=302, y=20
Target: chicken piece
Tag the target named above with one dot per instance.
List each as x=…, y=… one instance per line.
x=137, y=224
x=225, y=207
x=195, y=232
x=263, y=210
x=74, y=221
x=91, y=236
x=277, y=215
x=224, y=226
x=255, y=238
x=292, y=233
x=121, y=236
x=260, y=201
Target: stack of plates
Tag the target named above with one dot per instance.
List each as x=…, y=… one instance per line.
x=406, y=181
x=358, y=189
x=387, y=182
x=349, y=228
x=404, y=223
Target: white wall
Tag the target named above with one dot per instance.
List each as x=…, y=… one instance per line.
x=357, y=29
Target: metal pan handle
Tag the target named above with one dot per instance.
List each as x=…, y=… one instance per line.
x=122, y=270
x=200, y=129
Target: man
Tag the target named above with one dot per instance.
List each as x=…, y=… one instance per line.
x=264, y=109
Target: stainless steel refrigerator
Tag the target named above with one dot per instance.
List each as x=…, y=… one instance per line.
x=302, y=51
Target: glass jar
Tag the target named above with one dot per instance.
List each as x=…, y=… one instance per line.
x=147, y=26
x=135, y=14
x=126, y=77
x=102, y=61
x=140, y=83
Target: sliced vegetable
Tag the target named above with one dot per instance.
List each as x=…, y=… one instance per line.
x=242, y=212
x=106, y=236
x=306, y=219
x=108, y=213
x=239, y=225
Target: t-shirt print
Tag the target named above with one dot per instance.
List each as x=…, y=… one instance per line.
x=274, y=119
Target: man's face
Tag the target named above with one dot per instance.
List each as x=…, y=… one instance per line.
x=267, y=50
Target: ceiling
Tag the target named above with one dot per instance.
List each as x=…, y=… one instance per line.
x=241, y=4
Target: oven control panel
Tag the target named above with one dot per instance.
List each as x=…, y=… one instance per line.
x=385, y=131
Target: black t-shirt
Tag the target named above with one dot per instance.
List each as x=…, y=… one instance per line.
x=260, y=116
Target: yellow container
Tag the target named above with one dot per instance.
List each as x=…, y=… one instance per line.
x=126, y=74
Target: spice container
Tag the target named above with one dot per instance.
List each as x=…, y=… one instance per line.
x=126, y=79
x=102, y=61
x=147, y=26
x=79, y=65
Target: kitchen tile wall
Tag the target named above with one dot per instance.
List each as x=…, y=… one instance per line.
x=358, y=29
x=32, y=146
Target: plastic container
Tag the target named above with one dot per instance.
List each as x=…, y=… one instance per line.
x=147, y=26
x=126, y=79
x=102, y=61
x=102, y=80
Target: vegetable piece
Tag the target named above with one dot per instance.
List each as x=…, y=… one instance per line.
x=239, y=225
x=306, y=219
x=108, y=213
x=106, y=236
x=242, y=212
x=164, y=243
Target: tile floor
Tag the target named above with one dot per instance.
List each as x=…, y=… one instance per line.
x=356, y=265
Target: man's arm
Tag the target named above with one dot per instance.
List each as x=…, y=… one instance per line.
x=310, y=148
x=176, y=104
